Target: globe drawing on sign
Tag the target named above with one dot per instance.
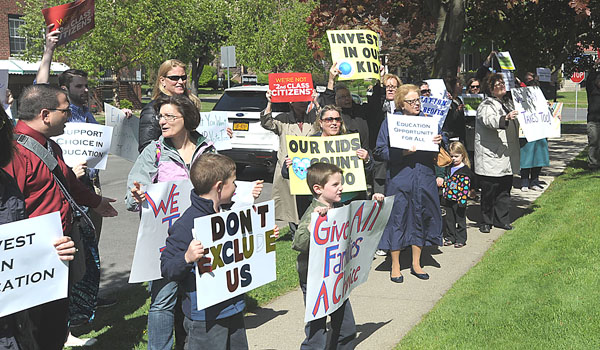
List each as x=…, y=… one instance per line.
x=345, y=69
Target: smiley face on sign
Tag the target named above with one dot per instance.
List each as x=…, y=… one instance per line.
x=300, y=167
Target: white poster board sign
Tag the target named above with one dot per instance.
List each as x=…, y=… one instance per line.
x=407, y=131
x=471, y=102
x=509, y=79
x=506, y=62
x=126, y=131
x=556, y=109
x=342, y=245
x=241, y=250
x=535, y=118
x=3, y=85
x=213, y=125
x=437, y=108
x=243, y=193
x=165, y=203
x=30, y=271
x=437, y=87
x=544, y=74
x=85, y=142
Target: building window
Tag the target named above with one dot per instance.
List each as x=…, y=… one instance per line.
x=17, y=42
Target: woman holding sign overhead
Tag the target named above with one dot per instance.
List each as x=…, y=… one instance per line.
x=416, y=219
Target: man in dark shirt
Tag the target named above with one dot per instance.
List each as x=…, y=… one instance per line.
x=592, y=87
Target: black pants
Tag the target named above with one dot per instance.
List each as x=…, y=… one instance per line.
x=455, y=222
x=223, y=334
x=50, y=322
x=495, y=199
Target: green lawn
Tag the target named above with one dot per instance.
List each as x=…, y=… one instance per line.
x=123, y=326
x=537, y=287
x=568, y=98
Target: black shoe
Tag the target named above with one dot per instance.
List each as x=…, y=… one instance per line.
x=485, y=228
x=504, y=227
x=398, y=279
x=423, y=276
x=106, y=302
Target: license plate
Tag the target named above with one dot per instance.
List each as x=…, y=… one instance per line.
x=239, y=126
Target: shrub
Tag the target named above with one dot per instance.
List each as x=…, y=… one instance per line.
x=125, y=103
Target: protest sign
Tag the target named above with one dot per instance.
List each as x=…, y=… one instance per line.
x=85, y=142
x=506, y=62
x=241, y=249
x=436, y=107
x=407, y=131
x=544, y=74
x=73, y=19
x=243, y=192
x=213, y=125
x=125, y=135
x=471, y=102
x=290, y=87
x=30, y=271
x=437, y=87
x=556, y=110
x=534, y=115
x=338, y=150
x=356, y=53
x=342, y=245
x=509, y=79
x=3, y=85
x=164, y=204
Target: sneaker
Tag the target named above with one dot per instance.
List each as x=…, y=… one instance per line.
x=380, y=252
x=524, y=189
x=537, y=188
x=106, y=302
x=74, y=341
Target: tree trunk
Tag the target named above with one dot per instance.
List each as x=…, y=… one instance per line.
x=449, y=36
x=197, y=68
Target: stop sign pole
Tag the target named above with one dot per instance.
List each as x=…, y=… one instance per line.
x=577, y=78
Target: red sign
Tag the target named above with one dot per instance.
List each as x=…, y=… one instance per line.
x=578, y=77
x=74, y=19
x=290, y=87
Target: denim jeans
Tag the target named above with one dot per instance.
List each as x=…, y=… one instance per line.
x=593, y=133
x=161, y=316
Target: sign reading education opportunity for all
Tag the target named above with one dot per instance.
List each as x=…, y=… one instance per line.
x=506, y=62
x=30, y=271
x=290, y=87
x=338, y=150
x=241, y=256
x=73, y=19
x=535, y=118
x=471, y=102
x=342, y=245
x=125, y=133
x=213, y=125
x=85, y=142
x=356, y=53
x=408, y=131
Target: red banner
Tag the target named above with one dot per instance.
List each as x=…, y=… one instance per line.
x=74, y=19
x=290, y=87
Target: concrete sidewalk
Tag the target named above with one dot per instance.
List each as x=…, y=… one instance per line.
x=386, y=311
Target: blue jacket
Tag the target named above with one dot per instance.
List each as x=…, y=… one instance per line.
x=174, y=267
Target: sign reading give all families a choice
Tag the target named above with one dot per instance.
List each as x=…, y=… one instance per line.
x=241, y=252
x=342, y=244
x=356, y=53
x=125, y=134
x=30, y=271
x=535, y=118
x=73, y=19
x=85, y=142
x=339, y=150
x=290, y=87
x=407, y=131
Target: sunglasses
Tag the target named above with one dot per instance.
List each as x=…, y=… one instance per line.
x=176, y=77
x=331, y=120
x=425, y=91
x=499, y=84
x=474, y=87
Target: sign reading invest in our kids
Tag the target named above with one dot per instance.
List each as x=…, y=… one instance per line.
x=338, y=150
x=290, y=87
x=356, y=53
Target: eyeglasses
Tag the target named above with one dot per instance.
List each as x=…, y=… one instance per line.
x=474, y=87
x=425, y=91
x=331, y=120
x=391, y=87
x=177, y=77
x=64, y=110
x=413, y=101
x=499, y=84
x=168, y=117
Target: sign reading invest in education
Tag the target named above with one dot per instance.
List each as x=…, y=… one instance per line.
x=356, y=53
x=85, y=142
x=339, y=150
x=408, y=131
x=342, y=244
x=290, y=87
x=241, y=252
x=31, y=272
x=73, y=19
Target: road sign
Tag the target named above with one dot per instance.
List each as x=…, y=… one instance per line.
x=578, y=77
x=228, y=56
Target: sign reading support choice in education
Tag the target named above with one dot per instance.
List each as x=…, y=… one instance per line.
x=290, y=87
x=534, y=116
x=241, y=256
x=356, y=53
x=339, y=150
x=85, y=142
x=30, y=271
x=407, y=131
x=342, y=245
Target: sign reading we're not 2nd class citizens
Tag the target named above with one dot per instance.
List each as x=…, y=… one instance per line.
x=290, y=87
x=356, y=53
x=73, y=19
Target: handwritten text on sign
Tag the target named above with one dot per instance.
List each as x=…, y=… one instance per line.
x=356, y=53
x=74, y=19
x=534, y=116
x=339, y=150
x=213, y=125
x=342, y=245
x=85, y=142
x=407, y=131
x=290, y=87
x=241, y=250
x=30, y=271
x=125, y=134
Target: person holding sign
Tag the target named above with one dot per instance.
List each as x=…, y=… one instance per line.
x=416, y=219
x=592, y=87
x=496, y=154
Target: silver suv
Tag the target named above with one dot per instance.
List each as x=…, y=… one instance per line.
x=251, y=143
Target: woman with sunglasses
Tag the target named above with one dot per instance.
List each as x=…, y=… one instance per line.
x=416, y=219
x=473, y=86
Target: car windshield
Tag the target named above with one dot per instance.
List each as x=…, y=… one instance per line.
x=246, y=101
